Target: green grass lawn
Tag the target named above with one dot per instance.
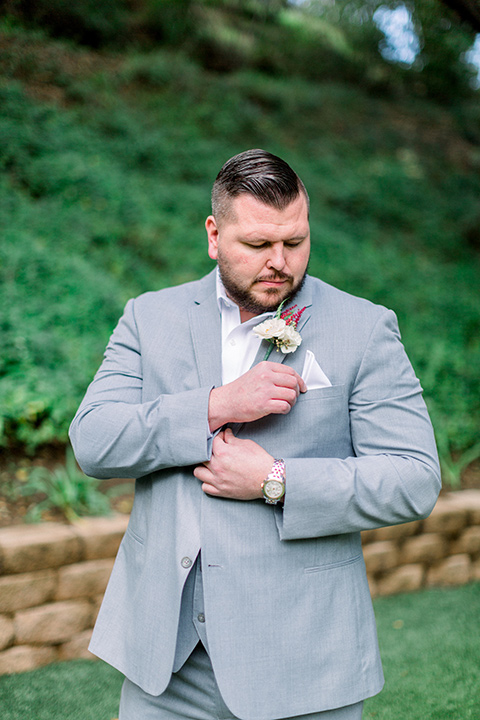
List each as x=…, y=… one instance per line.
x=430, y=648
x=431, y=655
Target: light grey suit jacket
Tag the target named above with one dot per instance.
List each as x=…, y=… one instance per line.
x=290, y=624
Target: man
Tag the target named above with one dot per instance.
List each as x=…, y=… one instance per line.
x=239, y=589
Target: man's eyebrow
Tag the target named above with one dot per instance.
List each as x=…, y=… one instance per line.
x=261, y=240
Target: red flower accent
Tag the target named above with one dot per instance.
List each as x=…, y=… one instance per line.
x=291, y=316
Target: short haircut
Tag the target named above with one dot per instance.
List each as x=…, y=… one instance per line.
x=259, y=173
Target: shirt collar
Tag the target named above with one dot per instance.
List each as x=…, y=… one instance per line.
x=222, y=298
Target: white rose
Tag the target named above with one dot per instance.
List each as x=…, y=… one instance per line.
x=271, y=328
x=291, y=340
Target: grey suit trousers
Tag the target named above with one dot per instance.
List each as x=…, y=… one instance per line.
x=193, y=694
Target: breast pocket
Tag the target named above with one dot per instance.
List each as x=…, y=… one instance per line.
x=325, y=393
x=317, y=426
x=320, y=423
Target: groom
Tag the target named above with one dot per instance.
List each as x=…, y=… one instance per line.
x=239, y=589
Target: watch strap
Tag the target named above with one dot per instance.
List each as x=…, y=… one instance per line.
x=278, y=471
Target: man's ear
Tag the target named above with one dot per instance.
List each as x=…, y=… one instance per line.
x=212, y=234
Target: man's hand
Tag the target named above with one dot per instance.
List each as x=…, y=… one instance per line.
x=237, y=468
x=268, y=388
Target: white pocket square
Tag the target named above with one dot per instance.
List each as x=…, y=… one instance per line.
x=313, y=374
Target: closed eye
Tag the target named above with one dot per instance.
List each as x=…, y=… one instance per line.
x=258, y=246
x=263, y=245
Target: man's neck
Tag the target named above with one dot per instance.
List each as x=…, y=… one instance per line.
x=246, y=315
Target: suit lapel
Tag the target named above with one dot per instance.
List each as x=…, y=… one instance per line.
x=205, y=327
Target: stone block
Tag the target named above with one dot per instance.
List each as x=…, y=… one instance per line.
x=368, y=536
x=26, y=590
x=403, y=579
x=54, y=623
x=26, y=548
x=95, y=603
x=87, y=579
x=380, y=556
x=468, y=542
x=22, y=658
x=476, y=570
x=101, y=537
x=448, y=518
x=468, y=500
x=424, y=548
x=7, y=632
x=77, y=647
x=455, y=570
x=398, y=532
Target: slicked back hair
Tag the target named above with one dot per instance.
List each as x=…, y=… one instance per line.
x=266, y=177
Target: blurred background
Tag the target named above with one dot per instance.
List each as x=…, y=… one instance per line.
x=115, y=118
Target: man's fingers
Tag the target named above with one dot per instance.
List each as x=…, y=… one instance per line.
x=289, y=381
x=210, y=489
x=264, y=389
x=280, y=407
x=288, y=395
x=202, y=473
x=220, y=439
x=288, y=377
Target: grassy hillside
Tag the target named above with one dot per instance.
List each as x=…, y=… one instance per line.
x=107, y=163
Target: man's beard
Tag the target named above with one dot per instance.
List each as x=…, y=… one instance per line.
x=245, y=298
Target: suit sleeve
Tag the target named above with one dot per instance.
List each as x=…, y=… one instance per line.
x=115, y=434
x=393, y=476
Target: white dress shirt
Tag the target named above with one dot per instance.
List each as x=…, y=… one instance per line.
x=239, y=342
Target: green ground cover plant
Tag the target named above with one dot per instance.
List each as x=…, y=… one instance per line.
x=428, y=642
x=107, y=161
x=65, y=489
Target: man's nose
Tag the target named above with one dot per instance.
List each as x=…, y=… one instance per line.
x=276, y=260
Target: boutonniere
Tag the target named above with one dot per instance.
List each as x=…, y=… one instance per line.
x=281, y=330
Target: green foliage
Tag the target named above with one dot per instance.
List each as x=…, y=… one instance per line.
x=313, y=39
x=163, y=21
x=439, y=71
x=104, y=191
x=66, y=489
x=444, y=41
x=85, y=21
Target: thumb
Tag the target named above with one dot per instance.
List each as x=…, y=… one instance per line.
x=228, y=435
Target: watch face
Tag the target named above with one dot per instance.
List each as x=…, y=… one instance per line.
x=274, y=489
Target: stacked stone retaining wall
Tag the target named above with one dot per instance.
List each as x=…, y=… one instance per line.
x=52, y=576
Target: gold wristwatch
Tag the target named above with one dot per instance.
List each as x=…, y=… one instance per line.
x=274, y=486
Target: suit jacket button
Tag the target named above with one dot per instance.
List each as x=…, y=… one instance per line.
x=186, y=562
